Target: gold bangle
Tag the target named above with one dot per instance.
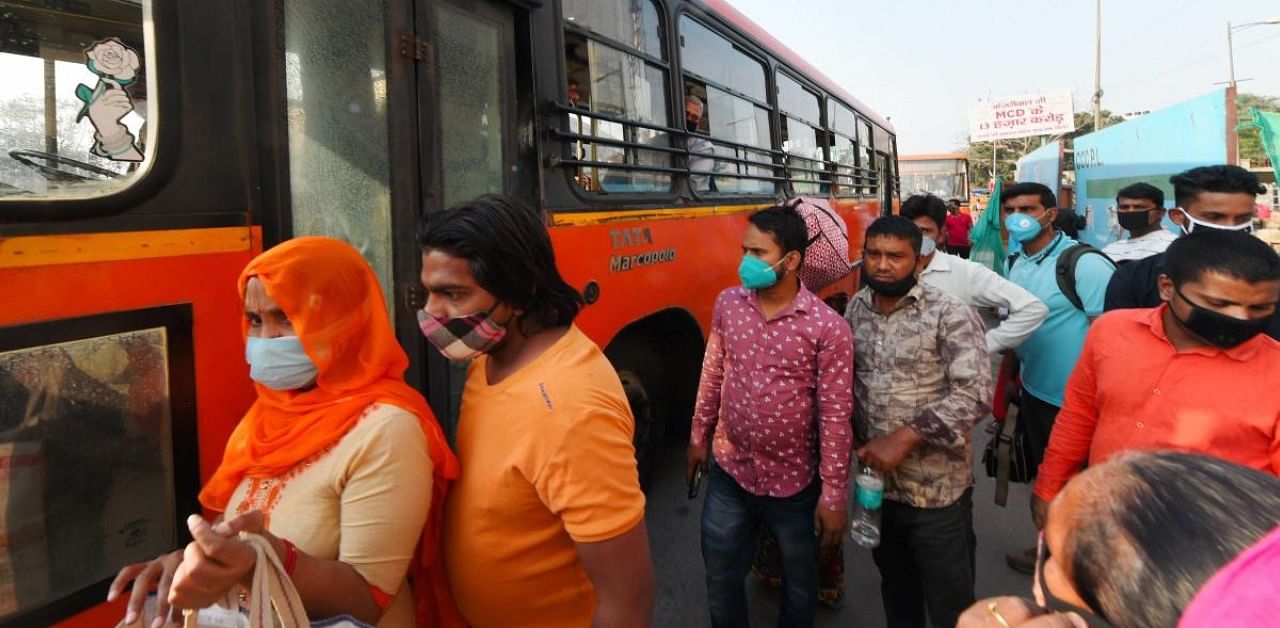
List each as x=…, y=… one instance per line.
x=995, y=612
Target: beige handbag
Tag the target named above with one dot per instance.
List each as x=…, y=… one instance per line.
x=272, y=599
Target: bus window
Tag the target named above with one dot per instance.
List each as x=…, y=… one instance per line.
x=870, y=176
x=73, y=99
x=801, y=136
x=613, y=52
x=339, y=171
x=732, y=84
x=842, y=123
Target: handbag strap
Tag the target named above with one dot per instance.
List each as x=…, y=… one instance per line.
x=272, y=594
x=1004, y=454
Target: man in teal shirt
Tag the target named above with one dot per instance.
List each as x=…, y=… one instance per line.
x=1050, y=354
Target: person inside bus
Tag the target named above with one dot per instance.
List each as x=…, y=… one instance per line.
x=922, y=380
x=1139, y=210
x=339, y=463
x=1208, y=197
x=772, y=419
x=1145, y=539
x=975, y=284
x=1202, y=352
x=702, y=163
x=546, y=525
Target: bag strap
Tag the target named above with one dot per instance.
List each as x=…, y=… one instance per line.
x=1065, y=271
x=1004, y=455
x=272, y=594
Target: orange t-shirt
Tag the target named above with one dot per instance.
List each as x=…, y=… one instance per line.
x=547, y=461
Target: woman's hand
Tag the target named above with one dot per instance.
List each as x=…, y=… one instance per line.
x=157, y=576
x=215, y=561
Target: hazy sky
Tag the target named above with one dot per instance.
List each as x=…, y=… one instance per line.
x=923, y=62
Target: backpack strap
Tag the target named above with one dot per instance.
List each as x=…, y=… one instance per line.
x=1065, y=271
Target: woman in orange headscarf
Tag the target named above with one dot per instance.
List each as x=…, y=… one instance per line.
x=339, y=463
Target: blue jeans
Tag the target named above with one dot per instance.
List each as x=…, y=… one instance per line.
x=731, y=522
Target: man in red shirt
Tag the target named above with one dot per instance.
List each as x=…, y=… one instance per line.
x=1195, y=374
x=958, y=227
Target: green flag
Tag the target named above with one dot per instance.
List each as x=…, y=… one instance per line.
x=988, y=247
x=1268, y=125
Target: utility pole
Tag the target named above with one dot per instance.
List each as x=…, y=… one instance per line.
x=1097, y=71
x=1231, y=56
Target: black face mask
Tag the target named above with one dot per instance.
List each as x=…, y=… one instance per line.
x=1055, y=605
x=1134, y=221
x=691, y=125
x=1218, y=329
x=889, y=288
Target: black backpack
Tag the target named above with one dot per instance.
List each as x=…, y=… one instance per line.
x=1065, y=270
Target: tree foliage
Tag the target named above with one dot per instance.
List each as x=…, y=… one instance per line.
x=1250, y=139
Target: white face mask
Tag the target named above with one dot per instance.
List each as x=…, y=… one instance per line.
x=1193, y=223
x=279, y=363
x=928, y=246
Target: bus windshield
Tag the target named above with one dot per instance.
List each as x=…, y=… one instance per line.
x=941, y=177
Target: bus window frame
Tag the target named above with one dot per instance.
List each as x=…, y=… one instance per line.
x=823, y=166
x=768, y=66
x=166, y=79
x=178, y=322
x=560, y=133
x=854, y=177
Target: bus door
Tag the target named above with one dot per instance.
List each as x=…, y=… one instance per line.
x=395, y=111
x=468, y=114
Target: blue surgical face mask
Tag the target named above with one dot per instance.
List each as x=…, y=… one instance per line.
x=756, y=274
x=928, y=246
x=279, y=363
x=1022, y=228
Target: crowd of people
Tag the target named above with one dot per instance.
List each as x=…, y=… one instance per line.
x=1153, y=431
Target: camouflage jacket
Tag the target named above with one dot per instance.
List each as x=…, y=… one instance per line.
x=924, y=364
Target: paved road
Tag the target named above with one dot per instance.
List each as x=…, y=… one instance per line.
x=682, y=602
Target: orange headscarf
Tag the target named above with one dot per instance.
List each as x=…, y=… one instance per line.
x=334, y=302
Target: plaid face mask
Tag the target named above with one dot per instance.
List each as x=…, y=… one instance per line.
x=463, y=338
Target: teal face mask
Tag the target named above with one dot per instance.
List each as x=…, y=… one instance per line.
x=756, y=274
x=279, y=363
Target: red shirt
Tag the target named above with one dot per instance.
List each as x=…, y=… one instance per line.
x=777, y=395
x=958, y=226
x=1131, y=390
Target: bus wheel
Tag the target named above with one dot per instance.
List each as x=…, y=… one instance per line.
x=645, y=438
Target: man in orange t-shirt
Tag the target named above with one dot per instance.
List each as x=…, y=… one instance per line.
x=1195, y=374
x=546, y=525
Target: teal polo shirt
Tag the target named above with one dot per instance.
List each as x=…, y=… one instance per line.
x=1051, y=352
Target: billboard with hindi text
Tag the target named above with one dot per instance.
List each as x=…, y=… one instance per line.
x=1050, y=113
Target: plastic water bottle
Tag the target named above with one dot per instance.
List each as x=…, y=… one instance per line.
x=864, y=527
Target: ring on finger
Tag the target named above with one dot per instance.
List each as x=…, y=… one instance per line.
x=994, y=610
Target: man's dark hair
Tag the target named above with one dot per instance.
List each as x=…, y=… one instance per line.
x=785, y=225
x=1226, y=179
x=897, y=227
x=1030, y=188
x=926, y=206
x=1231, y=253
x=1141, y=192
x=1157, y=526
x=507, y=247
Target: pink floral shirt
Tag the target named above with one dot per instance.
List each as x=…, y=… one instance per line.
x=777, y=395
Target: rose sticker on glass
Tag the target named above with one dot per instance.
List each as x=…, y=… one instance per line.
x=109, y=101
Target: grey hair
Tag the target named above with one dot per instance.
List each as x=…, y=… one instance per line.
x=690, y=98
x=1152, y=528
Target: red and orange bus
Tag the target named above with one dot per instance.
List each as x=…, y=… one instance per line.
x=148, y=150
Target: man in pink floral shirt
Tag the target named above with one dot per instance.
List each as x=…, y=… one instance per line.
x=774, y=405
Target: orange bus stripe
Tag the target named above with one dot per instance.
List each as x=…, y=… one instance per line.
x=578, y=219
x=49, y=250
